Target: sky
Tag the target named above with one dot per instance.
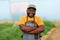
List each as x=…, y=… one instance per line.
x=4, y=10
x=47, y=9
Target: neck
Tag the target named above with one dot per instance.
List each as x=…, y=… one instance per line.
x=30, y=16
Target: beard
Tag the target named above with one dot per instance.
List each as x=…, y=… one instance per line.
x=28, y=14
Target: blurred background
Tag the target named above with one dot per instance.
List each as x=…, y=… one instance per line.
x=12, y=10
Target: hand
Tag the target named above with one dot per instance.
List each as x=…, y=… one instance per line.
x=33, y=32
x=29, y=29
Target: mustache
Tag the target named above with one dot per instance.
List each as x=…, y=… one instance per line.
x=30, y=13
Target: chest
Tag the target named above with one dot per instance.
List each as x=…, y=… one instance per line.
x=31, y=23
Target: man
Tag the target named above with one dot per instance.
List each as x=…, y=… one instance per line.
x=31, y=25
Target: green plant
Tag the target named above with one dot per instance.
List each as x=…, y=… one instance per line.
x=10, y=32
x=48, y=25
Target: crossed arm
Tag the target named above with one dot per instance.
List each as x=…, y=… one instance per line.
x=31, y=30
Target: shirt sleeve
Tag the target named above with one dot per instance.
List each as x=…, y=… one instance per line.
x=21, y=21
x=40, y=21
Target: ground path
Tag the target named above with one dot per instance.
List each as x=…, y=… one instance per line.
x=54, y=33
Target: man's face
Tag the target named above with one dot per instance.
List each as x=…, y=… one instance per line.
x=31, y=12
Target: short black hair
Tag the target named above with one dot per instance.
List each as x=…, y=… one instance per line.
x=31, y=8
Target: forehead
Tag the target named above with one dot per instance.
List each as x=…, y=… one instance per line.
x=31, y=8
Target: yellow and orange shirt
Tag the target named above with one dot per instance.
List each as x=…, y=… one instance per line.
x=38, y=20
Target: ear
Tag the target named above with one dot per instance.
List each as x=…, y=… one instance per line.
x=26, y=10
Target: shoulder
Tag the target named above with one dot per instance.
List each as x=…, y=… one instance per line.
x=37, y=17
x=22, y=18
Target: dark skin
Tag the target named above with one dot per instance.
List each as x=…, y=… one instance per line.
x=31, y=30
x=31, y=12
